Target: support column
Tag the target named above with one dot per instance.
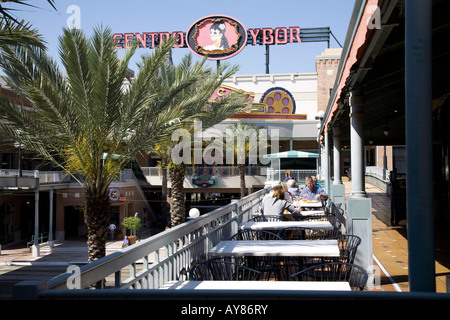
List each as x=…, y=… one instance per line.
x=359, y=206
x=357, y=143
x=50, y=227
x=337, y=155
x=35, y=249
x=326, y=163
x=338, y=188
x=418, y=99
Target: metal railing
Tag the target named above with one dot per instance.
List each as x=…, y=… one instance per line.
x=297, y=175
x=168, y=256
x=50, y=177
x=378, y=172
x=219, y=171
x=164, y=257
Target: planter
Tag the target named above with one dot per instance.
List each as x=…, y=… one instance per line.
x=132, y=239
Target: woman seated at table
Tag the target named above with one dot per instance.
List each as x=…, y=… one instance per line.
x=276, y=204
x=293, y=188
x=287, y=195
x=312, y=191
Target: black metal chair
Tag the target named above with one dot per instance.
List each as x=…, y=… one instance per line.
x=255, y=235
x=348, y=245
x=269, y=266
x=302, y=233
x=222, y=270
x=337, y=225
x=335, y=271
x=266, y=218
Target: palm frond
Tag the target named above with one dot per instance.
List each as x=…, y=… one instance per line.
x=13, y=33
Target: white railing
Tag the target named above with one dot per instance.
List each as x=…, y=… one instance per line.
x=281, y=175
x=49, y=177
x=169, y=255
x=378, y=172
x=219, y=171
x=17, y=173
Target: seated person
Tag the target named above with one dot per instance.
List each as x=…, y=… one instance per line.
x=293, y=188
x=287, y=195
x=126, y=242
x=275, y=205
x=311, y=191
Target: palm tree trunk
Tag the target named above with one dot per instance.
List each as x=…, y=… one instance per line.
x=96, y=218
x=164, y=193
x=177, y=207
x=164, y=204
x=241, y=168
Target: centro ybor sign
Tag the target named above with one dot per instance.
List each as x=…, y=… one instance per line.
x=216, y=37
x=220, y=37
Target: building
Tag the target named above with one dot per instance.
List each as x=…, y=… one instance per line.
x=47, y=201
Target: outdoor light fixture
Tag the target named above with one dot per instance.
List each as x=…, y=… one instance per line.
x=386, y=128
x=371, y=139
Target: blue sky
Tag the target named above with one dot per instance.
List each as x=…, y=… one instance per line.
x=179, y=15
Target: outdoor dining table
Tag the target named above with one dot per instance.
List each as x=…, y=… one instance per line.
x=310, y=213
x=309, y=204
x=276, y=248
x=278, y=225
x=257, y=285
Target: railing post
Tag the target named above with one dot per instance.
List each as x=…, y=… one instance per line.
x=359, y=223
x=235, y=224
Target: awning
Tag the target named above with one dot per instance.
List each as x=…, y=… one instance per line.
x=292, y=154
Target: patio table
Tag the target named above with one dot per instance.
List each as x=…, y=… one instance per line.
x=277, y=248
x=257, y=285
x=278, y=225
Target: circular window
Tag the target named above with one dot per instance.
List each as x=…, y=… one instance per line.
x=278, y=100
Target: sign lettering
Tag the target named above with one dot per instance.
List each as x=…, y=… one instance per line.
x=221, y=37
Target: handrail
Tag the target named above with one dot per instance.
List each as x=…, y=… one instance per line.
x=174, y=250
x=219, y=171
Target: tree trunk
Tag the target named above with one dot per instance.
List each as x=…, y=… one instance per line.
x=241, y=168
x=177, y=207
x=96, y=218
x=164, y=204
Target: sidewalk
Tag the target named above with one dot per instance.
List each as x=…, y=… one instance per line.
x=73, y=251
x=390, y=245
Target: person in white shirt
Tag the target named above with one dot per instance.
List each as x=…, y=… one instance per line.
x=287, y=195
x=293, y=188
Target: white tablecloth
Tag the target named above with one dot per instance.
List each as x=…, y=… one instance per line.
x=317, y=204
x=278, y=225
x=257, y=285
x=281, y=248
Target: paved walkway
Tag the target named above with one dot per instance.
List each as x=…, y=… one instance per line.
x=389, y=248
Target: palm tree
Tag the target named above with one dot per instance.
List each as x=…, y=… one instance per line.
x=92, y=120
x=195, y=102
x=14, y=32
x=242, y=148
